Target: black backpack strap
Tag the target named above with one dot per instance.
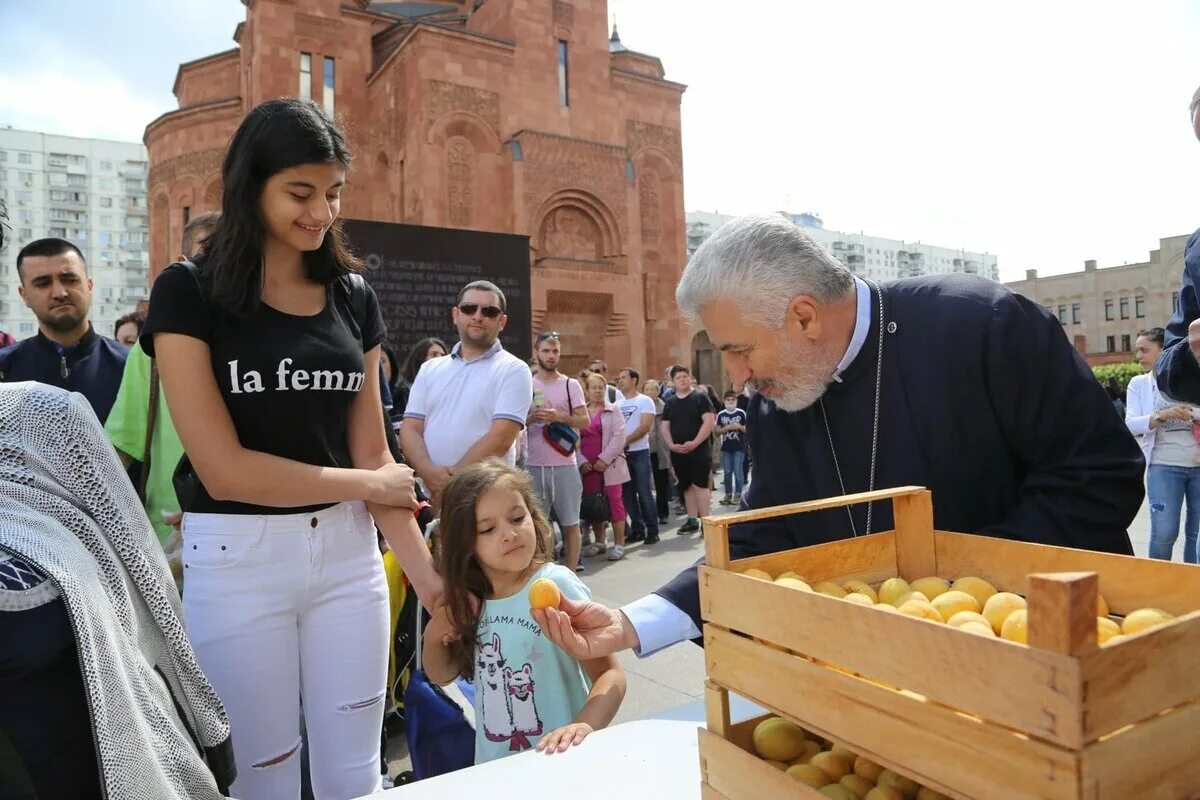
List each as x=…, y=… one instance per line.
x=358, y=298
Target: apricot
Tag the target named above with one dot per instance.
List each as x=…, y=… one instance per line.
x=544, y=593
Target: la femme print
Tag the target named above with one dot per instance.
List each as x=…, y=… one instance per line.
x=294, y=380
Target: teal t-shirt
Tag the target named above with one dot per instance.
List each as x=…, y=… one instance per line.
x=525, y=686
x=126, y=429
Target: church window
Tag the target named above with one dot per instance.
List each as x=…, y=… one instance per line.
x=327, y=97
x=564, y=99
x=306, y=75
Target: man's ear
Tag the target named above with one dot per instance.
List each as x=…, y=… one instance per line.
x=803, y=317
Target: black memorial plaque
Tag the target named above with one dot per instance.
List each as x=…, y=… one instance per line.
x=417, y=271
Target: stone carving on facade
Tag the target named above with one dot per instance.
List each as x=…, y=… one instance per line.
x=640, y=134
x=568, y=232
x=204, y=164
x=554, y=163
x=564, y=13
x=445, y=97
x=458, y=181
x=650, y=200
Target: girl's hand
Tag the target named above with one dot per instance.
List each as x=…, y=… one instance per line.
x=599, y=466
x=429, y=587
x=585, y=468
x=394, y=485
x=441, y=627
x=557, y=741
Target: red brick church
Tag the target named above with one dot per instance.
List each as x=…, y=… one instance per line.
x=515, y=116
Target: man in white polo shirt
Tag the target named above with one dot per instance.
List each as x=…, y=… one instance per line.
x=638, y=410
x=472, y=403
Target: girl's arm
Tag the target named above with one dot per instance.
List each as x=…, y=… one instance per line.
x=369, y=450
x=608, y=690
x=435, y=656
x=232, y=472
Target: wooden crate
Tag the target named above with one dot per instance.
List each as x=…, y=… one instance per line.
x=977, y=718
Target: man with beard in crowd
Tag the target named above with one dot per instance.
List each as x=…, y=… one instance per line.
x=66, y=351
x=471, y=405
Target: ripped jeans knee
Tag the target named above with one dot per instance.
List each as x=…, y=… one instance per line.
x=361, y=705
x=274, y=761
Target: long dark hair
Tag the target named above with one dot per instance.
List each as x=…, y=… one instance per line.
x=466, y=584
x=274, y=136
x=416, y=357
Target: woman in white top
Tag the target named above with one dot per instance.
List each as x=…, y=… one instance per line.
x=1172, y=454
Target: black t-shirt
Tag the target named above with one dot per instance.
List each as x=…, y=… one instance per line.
x=686, y=415
x=288, y=381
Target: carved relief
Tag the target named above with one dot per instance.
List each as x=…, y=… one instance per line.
x=642, y=134
x=650, y=199
x=445, y=97
x=202, y=164
x=568, y=232
x=458, y=181
x=212, y=196
x=555, y=163
x=564, y=13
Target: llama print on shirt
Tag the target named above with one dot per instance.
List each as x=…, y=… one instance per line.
x=496, y=702
x=525, y=719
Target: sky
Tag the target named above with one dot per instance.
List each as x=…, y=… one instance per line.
x=1046, y=133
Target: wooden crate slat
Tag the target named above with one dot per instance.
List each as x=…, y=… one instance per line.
x=867, y=558
x=1126, y=582
x=1152, y=671
x=709, y=793
x=817, y=505
x=915, y=555
x=933, y=744
x=1040, y=692
x=739, y=775
x=1154, y=760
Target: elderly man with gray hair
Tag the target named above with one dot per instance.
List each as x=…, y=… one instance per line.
x=946, y=381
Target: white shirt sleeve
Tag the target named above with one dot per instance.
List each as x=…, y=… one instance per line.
x=658, y=623
x=1140, y=406
x=416, y=407
x=514, y=394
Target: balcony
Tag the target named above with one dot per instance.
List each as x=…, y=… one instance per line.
x=133, y=208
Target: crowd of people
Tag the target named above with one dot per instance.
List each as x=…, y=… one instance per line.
x=261, y=434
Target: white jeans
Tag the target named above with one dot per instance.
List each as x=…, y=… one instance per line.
x=290, y=606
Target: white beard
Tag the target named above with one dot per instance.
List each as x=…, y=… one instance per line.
x=806, y=385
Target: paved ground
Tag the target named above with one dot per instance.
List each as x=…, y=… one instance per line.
x=676, y=676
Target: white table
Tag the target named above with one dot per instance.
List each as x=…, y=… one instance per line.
x=648, y=759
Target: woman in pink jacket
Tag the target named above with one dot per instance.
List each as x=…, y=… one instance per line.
x=601, y=459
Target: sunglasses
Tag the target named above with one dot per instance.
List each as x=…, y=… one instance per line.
x=544, y=335
x=491, y=312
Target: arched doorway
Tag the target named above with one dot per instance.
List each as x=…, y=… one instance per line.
x=706, y=363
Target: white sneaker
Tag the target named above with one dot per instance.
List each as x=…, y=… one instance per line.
x=617, y=553
x=594, y=549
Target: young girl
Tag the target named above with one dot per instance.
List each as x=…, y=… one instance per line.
x=269, y=357
x=494, y=543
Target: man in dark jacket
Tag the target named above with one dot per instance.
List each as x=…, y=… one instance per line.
x=950, y=382
x=1177, y=370
x=66, y=352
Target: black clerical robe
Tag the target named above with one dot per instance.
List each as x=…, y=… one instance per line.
x=984, y=401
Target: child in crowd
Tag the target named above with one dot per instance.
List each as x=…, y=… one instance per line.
x=731, y=425
x=493, y=543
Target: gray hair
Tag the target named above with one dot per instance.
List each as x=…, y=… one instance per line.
x=762, y=263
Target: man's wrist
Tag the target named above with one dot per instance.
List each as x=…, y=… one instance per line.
x=629, y=636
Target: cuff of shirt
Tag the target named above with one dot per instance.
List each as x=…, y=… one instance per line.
x=658, y=623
